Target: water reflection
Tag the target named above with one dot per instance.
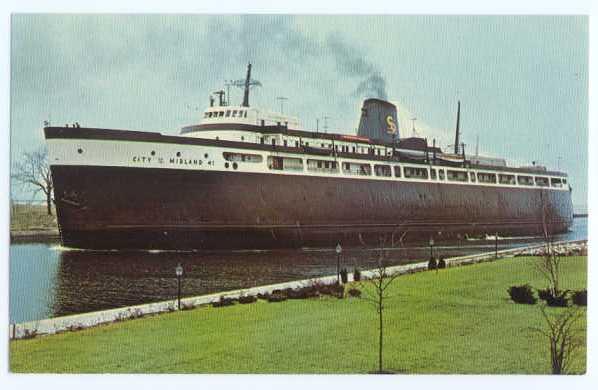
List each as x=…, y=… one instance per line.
x=48, y=282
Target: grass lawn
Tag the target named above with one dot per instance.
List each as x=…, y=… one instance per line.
x=31, y=217
x=459, y=320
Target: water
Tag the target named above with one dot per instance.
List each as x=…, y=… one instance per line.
x=49, y=281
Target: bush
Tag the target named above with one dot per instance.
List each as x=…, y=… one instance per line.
x=356, y=275
x=544, y=294
x=522, y=294
x=354, y=293
x=441, y=263
x=223, y=302
x=432, y=264
x=277, y=297
x=344, y=276
x=247, y=299
x=580, y=298
x=559, y=300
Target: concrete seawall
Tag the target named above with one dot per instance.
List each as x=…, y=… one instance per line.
x=86, y=320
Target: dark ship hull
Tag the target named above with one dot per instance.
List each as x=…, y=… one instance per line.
x=103, y=207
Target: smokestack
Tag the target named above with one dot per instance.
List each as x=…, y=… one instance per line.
x=246, y=94
x=379, y=121
x=457, y=131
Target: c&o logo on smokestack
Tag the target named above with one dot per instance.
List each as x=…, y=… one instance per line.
x=391, y=127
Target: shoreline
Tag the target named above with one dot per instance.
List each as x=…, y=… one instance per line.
x=80, y=321
x=41, y=235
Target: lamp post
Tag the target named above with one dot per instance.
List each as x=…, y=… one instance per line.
x=339, y=250
x=179, y=272
x=431, y=248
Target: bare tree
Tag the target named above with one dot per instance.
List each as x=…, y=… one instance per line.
x=33, y=171
x=564, y=337
x=375, y=292
x=549, y=265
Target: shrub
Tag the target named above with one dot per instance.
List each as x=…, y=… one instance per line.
x=223, y=302
x=356, y=275
x=580, y=298
x=354, y=293
x=522, y=294
x=544, y=294
x=559, y=300
x=432, y=264
x=441, y=263
x=277, y=297
x=247, y=299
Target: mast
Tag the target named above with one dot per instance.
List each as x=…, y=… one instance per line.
x=457, y=130
x=247, y=83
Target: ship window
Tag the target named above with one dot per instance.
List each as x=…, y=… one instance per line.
x=441, y=174
x=456, y=175
x=556, y=182
x=525, y=180
x=262, y=140
x=542, y=181
x=205, y=155
x=357, y=169
x=284, y=142
x=433, y=174
x=245, y=157
x=285, y=163
x=273, y=141
x=242, y=138
x=487, y=177
x=79, y=150
x=322, y=166
x=245, y=114
x=416, y=173
x=226, y=165
x=322, y=145
x=234, y=113
x=383, y=170
x=235, y=165
x=221, y=114
x=307, y=144
x=178, y=154
x=564, y=181
x=506, y=179
x=472, y=177
x=227, y=113
x=205, y=114
x=296, y=144
x=397, y=171
x=153, y=153
x=208, y=115
x=354, y=149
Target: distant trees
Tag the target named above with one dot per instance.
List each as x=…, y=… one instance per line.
x=33, y=171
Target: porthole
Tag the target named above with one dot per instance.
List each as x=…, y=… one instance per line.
x=79, y=150
x=235, y=166
x=178, y=154
x=153, y=153
x=225, y=165
x=205, y=155
x=242, y=138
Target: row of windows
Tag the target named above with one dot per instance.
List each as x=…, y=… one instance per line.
x=226, y=114
x=382, y=170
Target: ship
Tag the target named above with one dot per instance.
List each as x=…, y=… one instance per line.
x=246, y=178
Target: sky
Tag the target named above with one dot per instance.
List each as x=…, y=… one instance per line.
x=522, y=80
